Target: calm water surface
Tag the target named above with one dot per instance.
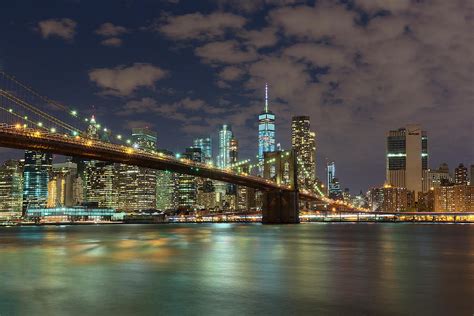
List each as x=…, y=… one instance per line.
x=237, y=269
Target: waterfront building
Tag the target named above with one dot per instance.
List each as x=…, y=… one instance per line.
x=187, y=184
x=266, y=131
x=100, y=185
x=438, y=177
x=37, y=168
x=454, y=198
x=460, y=174
x=407, y=159
x=304, y=143
x=391, y=199
x=166, y=187
x=63, y=185
x=11, y=187
x=206, y=195
x=225, y=136
x=330, y=175
x=137, y=186
x=71, y=214
x=233, y=150
x=205, y=144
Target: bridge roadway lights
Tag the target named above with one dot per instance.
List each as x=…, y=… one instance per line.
x=280, y=207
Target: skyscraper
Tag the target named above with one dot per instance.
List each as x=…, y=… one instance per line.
x=11, y=187
x=144, y=139
x=233, y=150
x=266, y=131
x=187, y=184
x=330, y=175
x=304, y=143
x=407, y=159
x=100, y=184
x=137, y=186
x=223, y=157
x=460, y=174
x=35, y=179
x=205, y=144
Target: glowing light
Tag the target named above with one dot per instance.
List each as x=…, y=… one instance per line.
x=10, y=110
x=53, y=130
x=74, y=113
x=40, y=124
x=17, y=126
x=119, y=136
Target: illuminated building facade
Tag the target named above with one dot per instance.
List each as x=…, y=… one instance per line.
x=439, y=177
x=266, y=131
x=100, y=185
x=137, y=186
x=407, y=159
x=11, y=187
x=303, y=143
x=62, y=185
x=205, y=144
x=166, y=187
x=330, y=175
x=460, y=174
x=391, y=199
x=454, y=198
x=223, y=157
x=187, y=184
x=36, y=172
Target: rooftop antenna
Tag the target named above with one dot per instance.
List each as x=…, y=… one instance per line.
x=266, y=97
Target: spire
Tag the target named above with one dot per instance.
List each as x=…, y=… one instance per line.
x=266, y=97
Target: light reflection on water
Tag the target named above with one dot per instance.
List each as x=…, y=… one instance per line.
x=232, y=269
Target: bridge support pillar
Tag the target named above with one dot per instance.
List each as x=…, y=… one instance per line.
x=280, y=207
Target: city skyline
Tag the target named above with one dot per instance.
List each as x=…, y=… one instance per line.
x=164, y=70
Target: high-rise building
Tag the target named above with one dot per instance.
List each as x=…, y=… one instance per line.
x=454, y=198
x=92, y=128
x=407, y=159
x=304, y=143
x=233, y=150
x=266, y=131
x=391, y=199
x=35, y=179
x=205, y=144
x=62, y=185
x=11, y=187
x=330, y=175
x=460, y=174
x=136, y=186
x=100, y=184
x=187, y=184
x=335, y=191
x=223, y=157
x=438, y=177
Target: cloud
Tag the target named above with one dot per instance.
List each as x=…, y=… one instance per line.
x=123, y=80
x=251, y=6
x=63, y=28
x=228, y=52
x=266, y=37
x=231, y=73
x=110, y=30
x=113, y=41
x=196, y=26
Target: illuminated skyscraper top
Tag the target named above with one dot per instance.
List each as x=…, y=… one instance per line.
x=266, y=130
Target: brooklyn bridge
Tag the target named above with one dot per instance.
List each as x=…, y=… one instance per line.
x=31, y=121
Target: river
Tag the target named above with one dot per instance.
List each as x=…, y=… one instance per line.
x=238, y=269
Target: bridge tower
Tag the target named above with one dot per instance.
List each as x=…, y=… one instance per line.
x=281, y=206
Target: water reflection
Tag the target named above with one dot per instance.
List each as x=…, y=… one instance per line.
x=237, y=269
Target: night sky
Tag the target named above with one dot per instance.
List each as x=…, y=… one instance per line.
x=182, y=67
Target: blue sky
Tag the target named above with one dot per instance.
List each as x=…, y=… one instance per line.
x=358, y=68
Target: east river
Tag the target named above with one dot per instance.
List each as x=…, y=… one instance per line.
x=238, y=269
